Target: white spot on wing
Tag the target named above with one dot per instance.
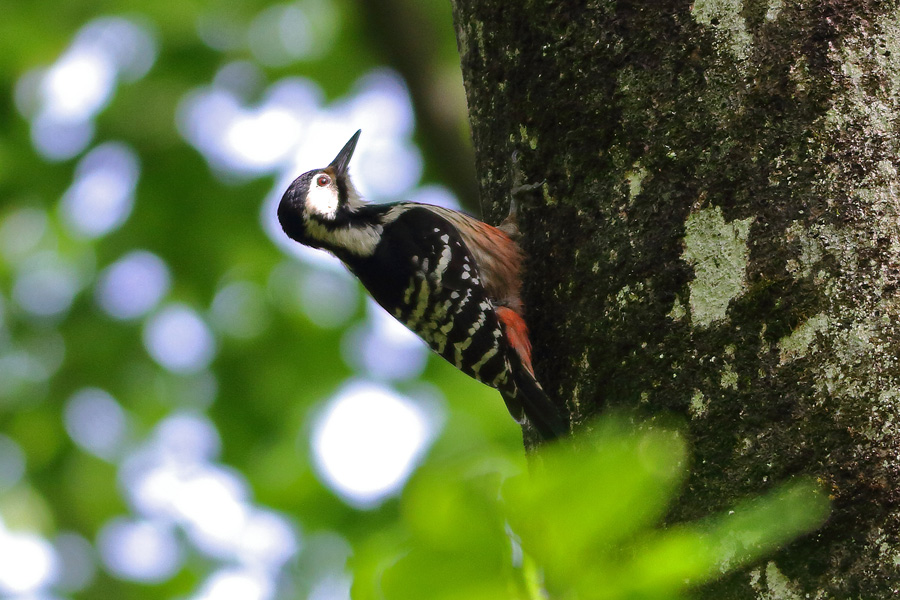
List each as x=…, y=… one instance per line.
x=444, y=262
x=391, y=215
x=476, y=325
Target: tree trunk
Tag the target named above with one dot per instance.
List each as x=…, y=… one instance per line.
x=715, y=236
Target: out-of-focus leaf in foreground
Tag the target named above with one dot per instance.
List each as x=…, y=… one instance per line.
x=583, y=520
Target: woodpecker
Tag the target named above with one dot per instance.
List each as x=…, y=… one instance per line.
x=451, y=279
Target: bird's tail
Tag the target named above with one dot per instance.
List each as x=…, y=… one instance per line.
x=527, y=393
x=522, y=392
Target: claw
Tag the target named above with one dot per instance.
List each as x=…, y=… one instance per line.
x=510, y=225
x=519, y=187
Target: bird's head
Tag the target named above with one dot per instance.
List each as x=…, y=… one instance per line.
x=324, y=197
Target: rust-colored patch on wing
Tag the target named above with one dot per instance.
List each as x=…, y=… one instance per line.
x=498, y=257
x=516, y=334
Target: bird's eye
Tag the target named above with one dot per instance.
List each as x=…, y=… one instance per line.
x=323, y=180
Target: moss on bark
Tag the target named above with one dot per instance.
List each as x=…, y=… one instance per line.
x=716, y=237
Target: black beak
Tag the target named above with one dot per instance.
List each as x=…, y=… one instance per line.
x=342, y=160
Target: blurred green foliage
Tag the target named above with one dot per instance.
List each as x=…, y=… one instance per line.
x=582, y=522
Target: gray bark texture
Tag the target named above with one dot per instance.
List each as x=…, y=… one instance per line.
x=715, y=236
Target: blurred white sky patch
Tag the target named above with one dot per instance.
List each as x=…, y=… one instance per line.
x=133, y=285
x=383, y=348
x=63, y=99
x=268, y=540
x=179, y=340
x=79, y=84
x=101, y=196
x=28, y=562
x=290, y=131
x=212, y=505
x=390, y=168
x=236, y=584
x=130, y=44
x=333, y=587
x=367, y=440
x=173, y=478
x=389, y=165
x=140, y=549
x=247, y=141
x=187, y=438
x=380, y=105
x=262, y=138
x=96, y=422
x=58, y=140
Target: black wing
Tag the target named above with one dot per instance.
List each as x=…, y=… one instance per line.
x=427, y=278
x=441, y=296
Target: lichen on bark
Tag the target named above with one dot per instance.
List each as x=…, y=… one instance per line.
x=718, y=253
x=716, y=236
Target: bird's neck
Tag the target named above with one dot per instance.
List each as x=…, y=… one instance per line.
x=351, y=234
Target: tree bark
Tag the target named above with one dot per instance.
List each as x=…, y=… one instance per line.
x=715, y=236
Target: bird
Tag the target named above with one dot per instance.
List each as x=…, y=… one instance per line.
x=450, y=278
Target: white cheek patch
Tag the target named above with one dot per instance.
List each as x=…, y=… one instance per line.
x=322, y=201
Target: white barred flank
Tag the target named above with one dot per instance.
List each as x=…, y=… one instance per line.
x=486, y=357
x=422, y=303
x=458, y=349
x=442, y=341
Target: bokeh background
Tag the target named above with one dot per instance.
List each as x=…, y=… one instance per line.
x=192, y=406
